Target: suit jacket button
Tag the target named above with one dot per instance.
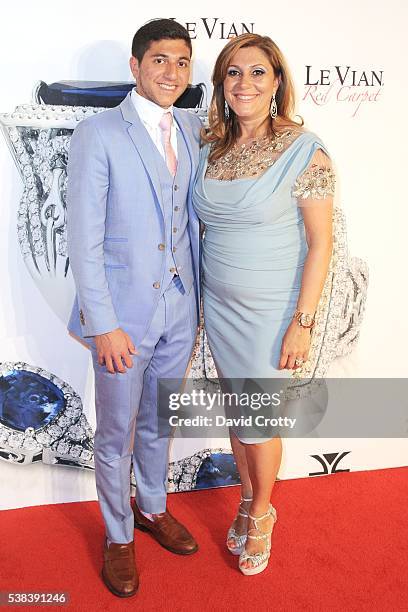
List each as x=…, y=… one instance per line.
x=175, y=187
x=156, y=285
x=173, y=270
x=177, y=208
x=174, y=249
x=174, y=230
x=161, y=247
x=81, y=317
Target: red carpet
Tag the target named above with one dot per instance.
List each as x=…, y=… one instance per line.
x=340, y=544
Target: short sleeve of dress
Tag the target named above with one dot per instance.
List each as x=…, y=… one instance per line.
x=315, y=185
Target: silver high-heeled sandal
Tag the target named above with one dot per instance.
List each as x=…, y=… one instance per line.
x=259, y=561
x=239, y=539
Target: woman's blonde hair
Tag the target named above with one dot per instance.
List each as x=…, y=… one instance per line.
x=223, y=131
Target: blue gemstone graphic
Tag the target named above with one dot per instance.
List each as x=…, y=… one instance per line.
x=28, y=400
x=217, y=470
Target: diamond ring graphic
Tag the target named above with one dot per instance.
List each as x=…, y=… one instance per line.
x=41, y=418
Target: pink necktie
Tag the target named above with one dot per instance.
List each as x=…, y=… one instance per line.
x=165, y=126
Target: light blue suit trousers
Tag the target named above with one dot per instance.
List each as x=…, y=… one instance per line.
x=126, y=414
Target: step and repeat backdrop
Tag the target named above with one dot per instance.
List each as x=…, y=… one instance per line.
x=347, y=62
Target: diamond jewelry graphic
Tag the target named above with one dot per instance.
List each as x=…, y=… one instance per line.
x=210, y=467
x=38, y=137
x=41, y=418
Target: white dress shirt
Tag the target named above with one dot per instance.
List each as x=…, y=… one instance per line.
x=151, y=114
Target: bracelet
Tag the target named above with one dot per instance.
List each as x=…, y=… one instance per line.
x=304, y=319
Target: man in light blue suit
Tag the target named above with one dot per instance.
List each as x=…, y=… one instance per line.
x=133, y=240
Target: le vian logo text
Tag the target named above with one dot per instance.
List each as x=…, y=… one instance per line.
x=343, y=84
x=216, y=28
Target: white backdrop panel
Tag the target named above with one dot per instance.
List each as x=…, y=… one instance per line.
x=91, y=41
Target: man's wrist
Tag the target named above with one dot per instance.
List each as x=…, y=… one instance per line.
x=107, y=332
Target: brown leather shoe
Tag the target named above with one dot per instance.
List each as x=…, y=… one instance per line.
x=167, y=531
x=119, y=569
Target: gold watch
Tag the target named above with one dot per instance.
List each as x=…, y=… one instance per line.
x=304, y=319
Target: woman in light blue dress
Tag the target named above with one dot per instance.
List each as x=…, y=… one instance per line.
x=263, y=193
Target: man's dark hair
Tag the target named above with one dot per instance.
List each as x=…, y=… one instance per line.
x=158, y=29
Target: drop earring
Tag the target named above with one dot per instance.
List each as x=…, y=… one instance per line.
x=226, y=110
x=273, y=111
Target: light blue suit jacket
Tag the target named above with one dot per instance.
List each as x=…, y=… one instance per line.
x=115, y=220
